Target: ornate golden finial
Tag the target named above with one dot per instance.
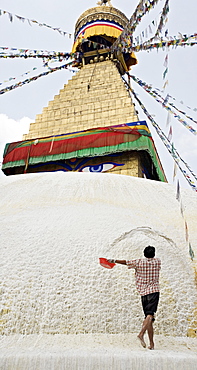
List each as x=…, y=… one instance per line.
x=104, y=2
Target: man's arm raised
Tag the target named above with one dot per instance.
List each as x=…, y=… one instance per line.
x=121, y=262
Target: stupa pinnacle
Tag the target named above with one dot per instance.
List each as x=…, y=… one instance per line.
x=104, y=2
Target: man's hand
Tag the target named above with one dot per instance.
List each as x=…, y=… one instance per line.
x=111, y=260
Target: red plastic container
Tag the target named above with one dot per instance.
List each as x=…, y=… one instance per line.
x=105, y=263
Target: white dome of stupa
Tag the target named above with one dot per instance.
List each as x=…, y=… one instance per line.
x=54, y=228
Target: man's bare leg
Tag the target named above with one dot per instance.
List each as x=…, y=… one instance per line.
x=147, y=325
x=150, y=335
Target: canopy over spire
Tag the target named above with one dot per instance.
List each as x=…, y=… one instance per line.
x=96, y=31
x=104, y=2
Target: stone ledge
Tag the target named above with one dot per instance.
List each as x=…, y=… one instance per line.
x=96, y=351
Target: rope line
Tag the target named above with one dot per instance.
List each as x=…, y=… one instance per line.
x=170, y=147
x=22, y=83
x=23, y=19
x=163, y=101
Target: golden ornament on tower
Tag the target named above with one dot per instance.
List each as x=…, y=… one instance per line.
x=104, y=2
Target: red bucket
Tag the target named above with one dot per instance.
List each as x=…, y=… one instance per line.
x=105, y=263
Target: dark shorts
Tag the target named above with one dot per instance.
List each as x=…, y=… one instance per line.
x=150, y=303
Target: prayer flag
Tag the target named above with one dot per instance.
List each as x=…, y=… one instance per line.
x=186, y=232
x=10, y=16
x=168, y=119
x=182, y=209
x=166, y=100
x=164, y=86
x=191, y=252
x=170, y=134
x=166, y=61
x=166, y=33
x=165, y=72
x=178, y=191
x=175, y=171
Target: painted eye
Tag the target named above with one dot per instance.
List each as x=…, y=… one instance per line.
x=98, y=168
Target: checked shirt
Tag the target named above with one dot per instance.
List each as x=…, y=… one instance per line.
x=146, y=274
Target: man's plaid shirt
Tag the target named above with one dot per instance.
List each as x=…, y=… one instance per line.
x=146, y=274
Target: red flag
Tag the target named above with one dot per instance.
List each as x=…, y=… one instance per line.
x=166, y=61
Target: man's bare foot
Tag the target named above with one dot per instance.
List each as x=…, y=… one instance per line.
x=141, y=339
x=151, y=346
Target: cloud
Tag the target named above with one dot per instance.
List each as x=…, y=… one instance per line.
x=12, y=130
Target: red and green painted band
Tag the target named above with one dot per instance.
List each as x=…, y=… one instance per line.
x=139, y=143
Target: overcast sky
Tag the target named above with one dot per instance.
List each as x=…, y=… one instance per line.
x=20, y=106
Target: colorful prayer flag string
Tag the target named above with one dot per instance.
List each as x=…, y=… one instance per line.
x=178, y=197
x=125, y=46
x=166, y=71
x=22, y=83
x=163, y=20
x=181, y=102
x=142, y=8
x=162, y=43
x=6, y=52
x=170, y=147
x=162, y=101
x=15, y=78
x=28, y=72
x=11, y=17
x=147, y=32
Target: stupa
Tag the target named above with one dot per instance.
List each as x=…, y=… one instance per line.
x=92, y=124
x=60, y=308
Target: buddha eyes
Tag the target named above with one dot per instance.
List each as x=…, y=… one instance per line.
x=99, y=168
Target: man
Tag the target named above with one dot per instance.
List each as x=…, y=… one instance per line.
x=147, y=283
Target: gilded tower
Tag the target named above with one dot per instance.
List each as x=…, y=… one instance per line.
x=92, y=124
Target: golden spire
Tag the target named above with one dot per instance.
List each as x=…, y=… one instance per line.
x=104, y=2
